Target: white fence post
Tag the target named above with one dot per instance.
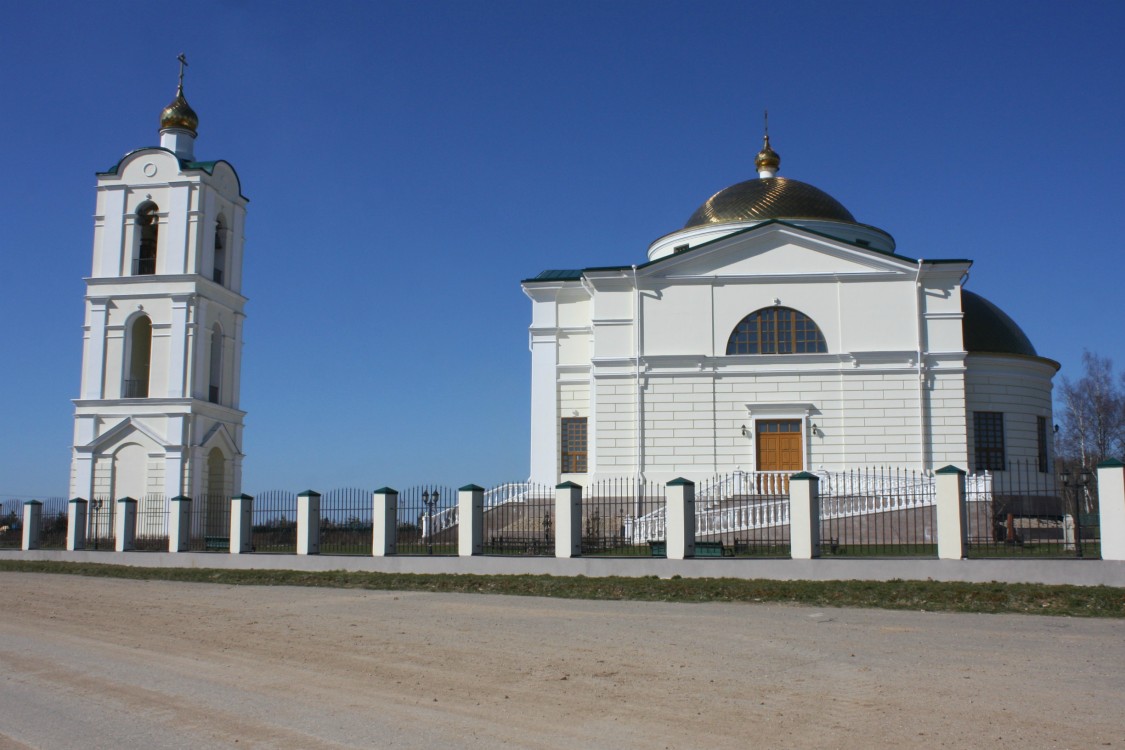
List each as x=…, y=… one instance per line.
x=32, y=524
x=308, y=523
x=1111, y=508
x=241, y=525
x=568, y=520
x=804, y=516
x=126, y=531
x=470, y=517
x=76, y=525
x=179, y=524
x=952, y=533
x=384, y=522
x=679, y=523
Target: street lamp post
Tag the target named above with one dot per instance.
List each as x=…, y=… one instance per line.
x=95, y=508
x=430, y=500
x=1081, y=481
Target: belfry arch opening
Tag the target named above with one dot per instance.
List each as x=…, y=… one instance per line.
x=147, y=234
x=214, y=387
x=219, y=265
x=139, y=358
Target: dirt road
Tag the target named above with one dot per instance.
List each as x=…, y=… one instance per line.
x=103, y=663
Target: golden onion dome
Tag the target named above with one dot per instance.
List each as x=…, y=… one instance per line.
x=179, y=114
x=767, y=157
x=769, y=198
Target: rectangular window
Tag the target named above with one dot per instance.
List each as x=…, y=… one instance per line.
x=1041, y=429
x=573, y=444
x=988, y=439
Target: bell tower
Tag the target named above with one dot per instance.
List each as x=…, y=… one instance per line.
x=157, y=415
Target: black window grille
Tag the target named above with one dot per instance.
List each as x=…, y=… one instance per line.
x=988, y=440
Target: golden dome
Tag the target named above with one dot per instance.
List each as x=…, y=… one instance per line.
x=179, y=114
x=769, y=198
x=767, y=157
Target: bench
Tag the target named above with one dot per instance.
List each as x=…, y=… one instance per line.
x=702, y=549
x=216, y=543
x=713, y=549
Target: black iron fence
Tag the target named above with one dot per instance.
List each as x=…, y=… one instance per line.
x=427, y=521
x=877, y=512
x=1023, y=511
x=101, y=529
x=152, y=523
x=519, y=519
x=274, y=524
x=11, y=524
x=740, y=514
x=53, y=523
x=209, y=524
x=623, y=517
x=345, y=522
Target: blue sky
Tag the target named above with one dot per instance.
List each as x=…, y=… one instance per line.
x=408, y=163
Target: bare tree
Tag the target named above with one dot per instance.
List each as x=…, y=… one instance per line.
x=1093, y=413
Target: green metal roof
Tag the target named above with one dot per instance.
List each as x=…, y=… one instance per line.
x=576, y=274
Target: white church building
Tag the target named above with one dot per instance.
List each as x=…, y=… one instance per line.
x=775, y=333
x=157, y=413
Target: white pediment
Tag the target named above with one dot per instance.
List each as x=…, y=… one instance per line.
x=777, y=251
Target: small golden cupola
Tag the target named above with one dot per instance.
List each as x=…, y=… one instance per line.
x=179, y=113
x=178, y=122
x=768, y=161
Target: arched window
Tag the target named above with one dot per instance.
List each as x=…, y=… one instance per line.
x=147, y=227
x=220, y=264
x=213, y=390
x=776, y=330
x=139, y=355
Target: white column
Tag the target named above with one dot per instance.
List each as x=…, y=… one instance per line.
x=76, y=525
x=384, y=522
x=804, y=516
x=568, y=520
x=32, y=524
x=950, y=511
x=470, y=516
x=126, y=532
x=241, y=524
x=308, y=523
x=93, y=366
x=1111, y=506
x=179, y=524
x=179, y=358
x=679, y=519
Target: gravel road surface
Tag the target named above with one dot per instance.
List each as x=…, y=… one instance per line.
x=104, y=663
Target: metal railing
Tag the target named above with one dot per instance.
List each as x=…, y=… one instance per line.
x=620, y=517
x=427, y=521
x=274, y=525
x=1025, y=512
x=746, y=512
x=136, y=388
x=878, y=511
x=345, y=522
x=519, y=519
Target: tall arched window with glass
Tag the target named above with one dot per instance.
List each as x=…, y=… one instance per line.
x=776, y=330
x=147, y=232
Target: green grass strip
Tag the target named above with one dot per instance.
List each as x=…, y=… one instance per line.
x=932, y=596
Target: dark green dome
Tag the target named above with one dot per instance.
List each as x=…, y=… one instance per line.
x=769, y=198
x=988, y=330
